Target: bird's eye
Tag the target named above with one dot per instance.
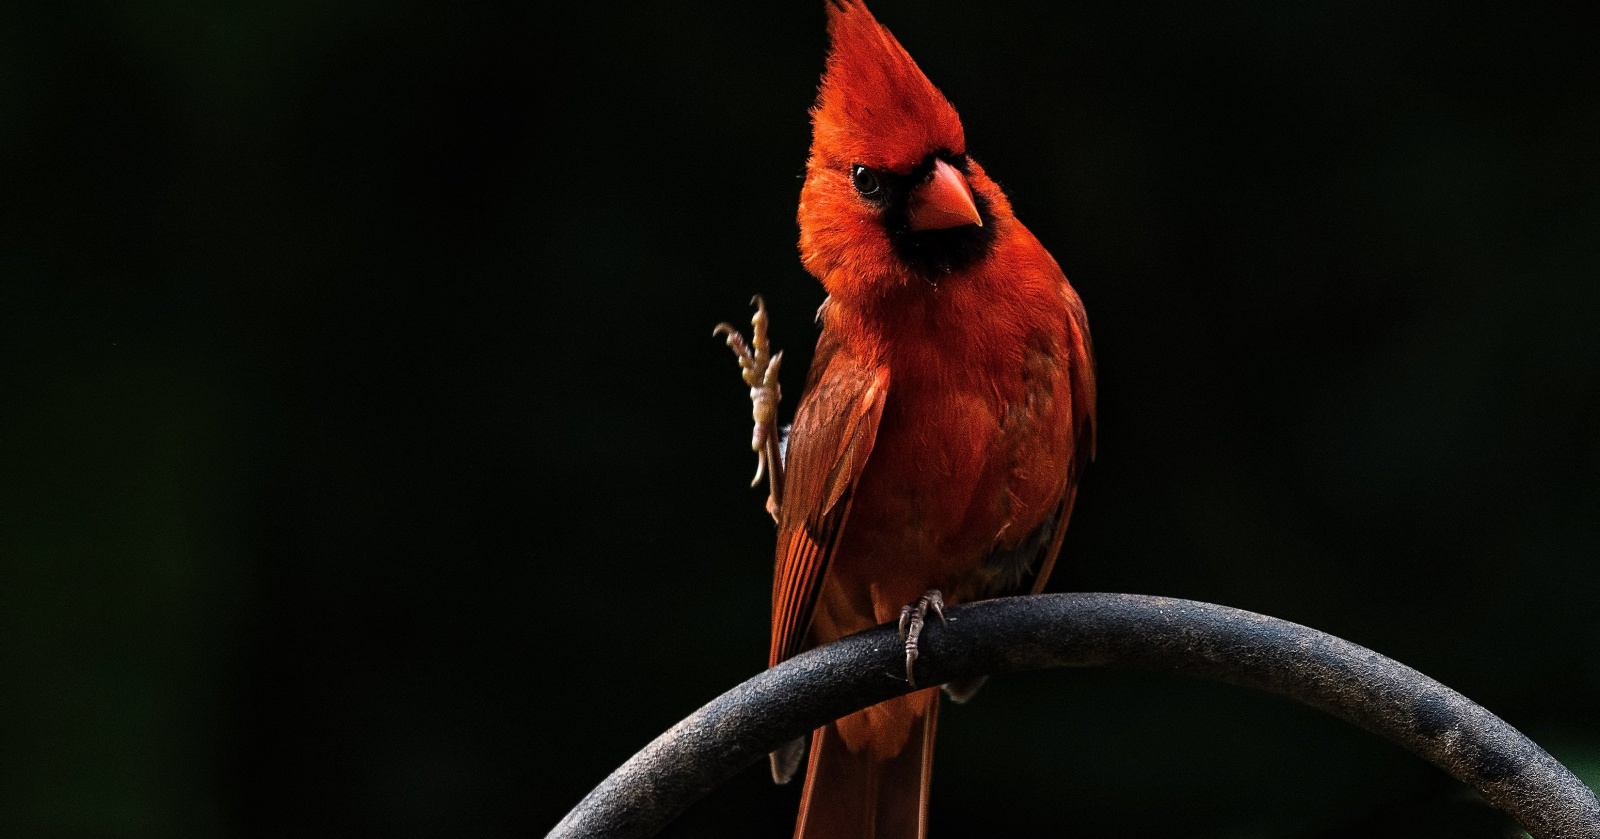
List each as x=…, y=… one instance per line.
x=865, y=180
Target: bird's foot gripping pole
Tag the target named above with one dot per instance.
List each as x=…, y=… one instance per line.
x=759, y=368
x=912, y=619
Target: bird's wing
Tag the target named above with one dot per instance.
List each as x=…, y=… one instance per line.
x=1080, y=367
x=1024, y=567
x=832, y=435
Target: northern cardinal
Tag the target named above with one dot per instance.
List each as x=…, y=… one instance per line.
x=949, y=411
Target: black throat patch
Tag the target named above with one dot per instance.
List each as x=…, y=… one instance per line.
x=933, y=253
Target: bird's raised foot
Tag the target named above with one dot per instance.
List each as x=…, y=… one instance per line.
x=912, y=619
x=758, y=366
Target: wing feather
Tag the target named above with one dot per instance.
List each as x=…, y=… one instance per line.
x=1081, y=373
x=829, y=443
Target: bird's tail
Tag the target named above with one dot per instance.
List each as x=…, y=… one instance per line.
x=868, y=774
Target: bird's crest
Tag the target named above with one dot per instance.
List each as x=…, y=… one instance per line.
x=875, y=106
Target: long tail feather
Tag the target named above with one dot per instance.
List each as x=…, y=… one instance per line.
x=852, y=795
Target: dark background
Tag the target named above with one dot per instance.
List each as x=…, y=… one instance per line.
x=367, y=465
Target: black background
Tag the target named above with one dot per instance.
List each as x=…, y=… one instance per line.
x=367, y=466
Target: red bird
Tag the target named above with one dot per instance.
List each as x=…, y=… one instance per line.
x=948, y=413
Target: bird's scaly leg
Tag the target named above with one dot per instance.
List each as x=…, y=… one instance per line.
x=911, y=621
x=759, y=368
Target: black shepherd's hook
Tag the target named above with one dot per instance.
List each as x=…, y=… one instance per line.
x=1010, y=634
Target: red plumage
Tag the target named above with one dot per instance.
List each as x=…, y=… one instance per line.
x=947, y=416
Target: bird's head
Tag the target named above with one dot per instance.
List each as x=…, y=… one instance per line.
x=890, y=195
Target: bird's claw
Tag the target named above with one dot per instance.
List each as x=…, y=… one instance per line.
x=912, y=619
x=759, y=366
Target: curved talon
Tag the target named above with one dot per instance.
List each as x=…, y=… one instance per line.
x=759, y=367
x=912, y=619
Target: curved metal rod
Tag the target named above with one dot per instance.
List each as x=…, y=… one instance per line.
x=1091, y=630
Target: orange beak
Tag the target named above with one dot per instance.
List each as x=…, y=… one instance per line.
x=943, y=201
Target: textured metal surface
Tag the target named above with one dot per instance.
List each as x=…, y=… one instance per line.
x=1091, y=630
